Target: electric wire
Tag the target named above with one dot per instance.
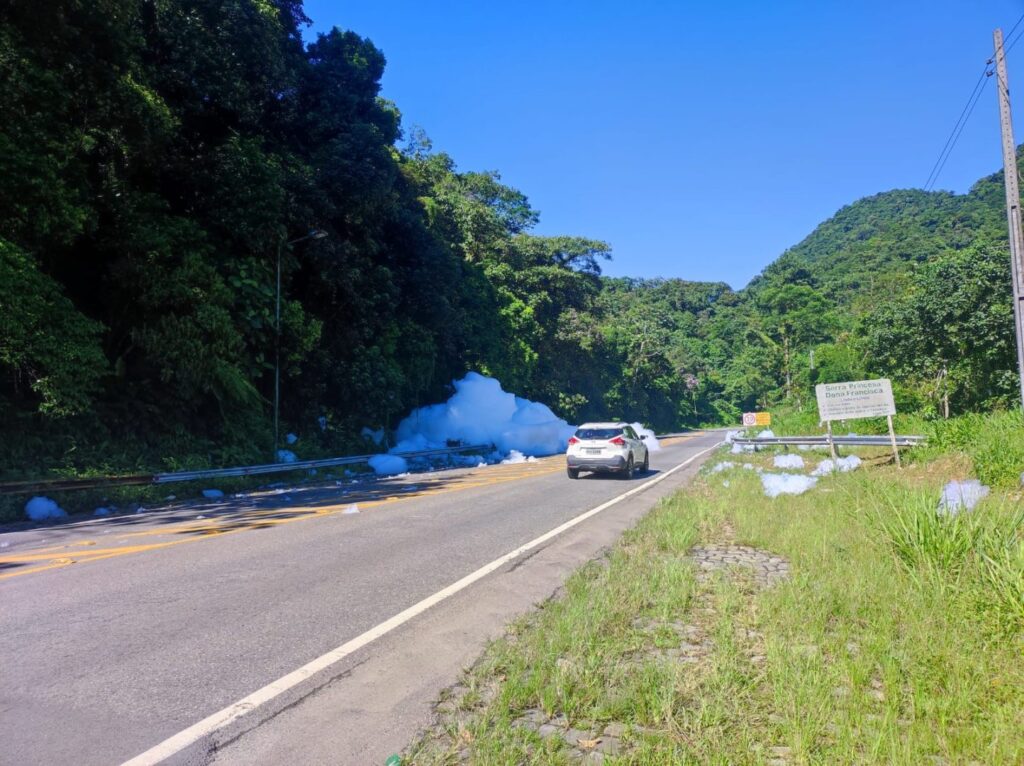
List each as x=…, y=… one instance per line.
x=1006, y=48
x=958, y=127
x=959, y=132
x=968, y=110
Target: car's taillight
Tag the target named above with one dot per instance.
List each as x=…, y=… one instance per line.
x=573, y=440
x=618, y=441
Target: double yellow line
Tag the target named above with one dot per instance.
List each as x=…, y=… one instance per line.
x=370, y=496
x=58, y=557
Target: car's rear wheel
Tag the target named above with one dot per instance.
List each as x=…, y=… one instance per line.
x=574, y=473
x=627, y=472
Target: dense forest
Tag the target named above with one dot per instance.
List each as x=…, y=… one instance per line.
x=160, y=159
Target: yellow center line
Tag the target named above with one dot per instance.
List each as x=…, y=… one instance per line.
x=60, y=556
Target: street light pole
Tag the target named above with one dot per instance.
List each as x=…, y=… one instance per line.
x=281, y=244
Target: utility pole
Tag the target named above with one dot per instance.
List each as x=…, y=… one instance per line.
x=1012, y=202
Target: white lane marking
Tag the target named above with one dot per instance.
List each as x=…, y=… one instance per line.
x=232, y=713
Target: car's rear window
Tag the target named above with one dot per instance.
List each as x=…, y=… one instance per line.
x=598, y=433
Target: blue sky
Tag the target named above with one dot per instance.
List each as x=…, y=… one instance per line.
x=700, y=139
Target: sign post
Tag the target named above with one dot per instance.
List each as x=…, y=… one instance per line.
x=892, y=439
x=857, y=399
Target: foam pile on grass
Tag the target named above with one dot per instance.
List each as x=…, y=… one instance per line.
x=788, y=461
x=961, y=496
x=776, y=484
x=840, y=465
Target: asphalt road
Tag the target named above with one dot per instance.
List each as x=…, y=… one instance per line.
x=119, y=633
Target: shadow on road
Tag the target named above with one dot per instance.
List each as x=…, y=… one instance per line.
x=638, y=476
x=257, y=509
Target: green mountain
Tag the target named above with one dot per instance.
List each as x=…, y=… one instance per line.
x=906, y=283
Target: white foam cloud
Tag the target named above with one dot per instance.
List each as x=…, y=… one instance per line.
x=481, y=412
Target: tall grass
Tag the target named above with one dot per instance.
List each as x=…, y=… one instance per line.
x=980, y=552
x=994, y=441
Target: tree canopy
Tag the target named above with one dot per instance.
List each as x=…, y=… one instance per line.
x=160, y=157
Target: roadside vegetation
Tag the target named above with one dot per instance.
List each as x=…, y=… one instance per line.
x=894, y=634
x=992, y=441
x=158, y=158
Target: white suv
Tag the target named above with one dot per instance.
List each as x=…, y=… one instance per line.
x=611, y=447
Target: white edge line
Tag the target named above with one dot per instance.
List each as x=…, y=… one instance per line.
x=232, y=713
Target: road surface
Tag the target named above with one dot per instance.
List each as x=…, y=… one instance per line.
x=122, y=637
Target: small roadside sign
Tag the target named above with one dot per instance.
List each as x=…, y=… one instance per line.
x=857, y=399
x=757, y=419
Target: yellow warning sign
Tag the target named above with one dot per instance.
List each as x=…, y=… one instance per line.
x=757, y=419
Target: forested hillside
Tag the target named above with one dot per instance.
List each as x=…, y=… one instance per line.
x=908, y=284
x=158, y=158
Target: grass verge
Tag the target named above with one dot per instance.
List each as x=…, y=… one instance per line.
x=897, y=636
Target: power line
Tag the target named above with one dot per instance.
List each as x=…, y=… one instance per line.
x=1010, y=34
x=965, y=113
x=1009, y=47
x=956, y=137
x=958, y=127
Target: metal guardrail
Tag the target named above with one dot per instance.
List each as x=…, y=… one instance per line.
x=839, y=441
x=65, y=485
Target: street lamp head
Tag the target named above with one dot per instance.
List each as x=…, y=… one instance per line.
x=313, y=234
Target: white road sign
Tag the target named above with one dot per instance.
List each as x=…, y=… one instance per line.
x=855, y=399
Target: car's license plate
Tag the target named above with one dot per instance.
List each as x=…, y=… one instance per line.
x=593, y=452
